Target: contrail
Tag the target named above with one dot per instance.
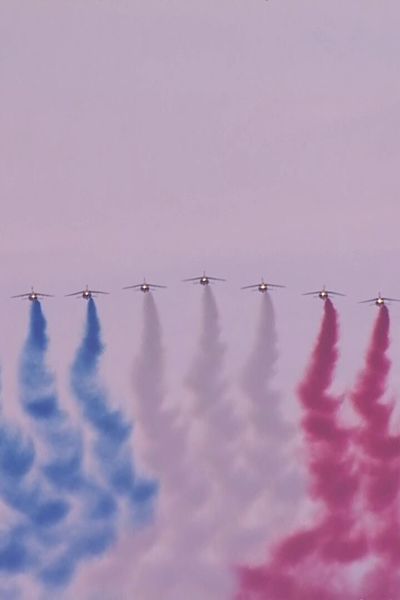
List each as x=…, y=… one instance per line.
x=301, y=565
x=111, y=447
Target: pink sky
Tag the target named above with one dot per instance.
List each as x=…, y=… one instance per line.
x=162, y=138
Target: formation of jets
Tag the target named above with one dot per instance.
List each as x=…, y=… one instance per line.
x=145, y=287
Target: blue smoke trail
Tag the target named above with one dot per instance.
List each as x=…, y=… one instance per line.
x=34, y=513
x=111, y=447
x=89, y=510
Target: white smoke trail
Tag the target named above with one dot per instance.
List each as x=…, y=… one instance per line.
x=171, y=557
x=272, y=483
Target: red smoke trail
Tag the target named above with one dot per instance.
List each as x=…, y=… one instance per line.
x=301, y=565
x=380, y=460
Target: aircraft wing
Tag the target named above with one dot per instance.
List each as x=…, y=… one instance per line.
x=249, y=287
x=312, y=293
x=391, y=299
x=44, y=295
x=98, y=292
x=155, y=285
x=370, y=300
x=194, y=278
x=275, y=285
x=334, y=293
x=75, y=293
x=20, y=296
x=131, y=287
x=215, y=278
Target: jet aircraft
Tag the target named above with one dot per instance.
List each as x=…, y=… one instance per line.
x=33, y=296
x=379, y=300
x=86, y=294
x=262, y=287
x=204, y=279
x=323, y=294
x=143, y=287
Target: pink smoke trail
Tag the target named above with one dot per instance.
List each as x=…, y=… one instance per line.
x=301, y=566
x=379, y=461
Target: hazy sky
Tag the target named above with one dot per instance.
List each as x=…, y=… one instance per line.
x=160, y=138
x=243, y=129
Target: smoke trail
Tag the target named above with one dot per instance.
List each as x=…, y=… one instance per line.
x=372, y=380
x=40, y=402
x=215, y=439
x=111, y=447
x=193, y=516
x=379, y=447
x=332, y=466
x=271, y=482
x=35, y=515
x=174, y=550
x=304, y=560
x=213, y=410
x=380, y=458
x=89, y=510
x=178, y=542
x=164, y=443
x=258, y=374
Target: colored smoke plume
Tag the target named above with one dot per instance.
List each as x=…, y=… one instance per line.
x=112, y=432
x=379, y=455
x=303, y=565
x=88, y=514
